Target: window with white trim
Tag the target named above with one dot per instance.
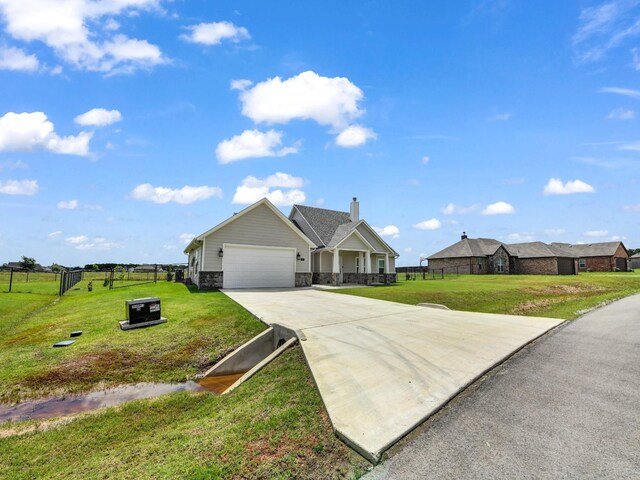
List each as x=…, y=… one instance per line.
x=582, y=263
x=500, y=265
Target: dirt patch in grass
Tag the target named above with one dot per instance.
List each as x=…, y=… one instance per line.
x=568, y=289
x=88, y=368
x=535, y=305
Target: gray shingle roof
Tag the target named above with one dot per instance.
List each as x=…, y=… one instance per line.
x=601, y=249
x=537, y=250
x=324, y=222
x=469, y=247
x=637, y=255
x=480, y=247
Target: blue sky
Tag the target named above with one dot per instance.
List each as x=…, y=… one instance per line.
x=128, y=126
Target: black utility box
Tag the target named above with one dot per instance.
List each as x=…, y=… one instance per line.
x=140, y=310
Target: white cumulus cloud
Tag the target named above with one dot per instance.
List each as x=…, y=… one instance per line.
x=16, y=59
x=19, y=187
x=626, y=92
x=183, y=196
x=215, y=32
x=307, y=96
x=253, y=144
x=498, y=208
x=76, y=34
x=240, y=84
x=388, y=231
x=355, y=136
x=98, y=117
x=596, y=233
x=67, y=205
x=555, y=187
x=55, y=234
x=433, y=224
x=25, y=132
x=253, y=189
x=521, y=237
x=425, y=160
x=499, y=117
x=82, y=242
x=185, y=238
x=452, y=208
x=621, y=114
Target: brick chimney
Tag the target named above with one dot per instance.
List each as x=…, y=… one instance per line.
x=354, y=211
x=463, y=236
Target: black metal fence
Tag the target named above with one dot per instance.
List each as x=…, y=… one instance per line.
x=426, y=273
x=58, y=283
x=68, y=279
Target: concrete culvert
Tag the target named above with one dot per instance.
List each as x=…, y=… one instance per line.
x=239, y=366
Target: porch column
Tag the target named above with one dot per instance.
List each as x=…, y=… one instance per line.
x=386, y=263
x=368, y=255
x=336, y=261
x=361, y=262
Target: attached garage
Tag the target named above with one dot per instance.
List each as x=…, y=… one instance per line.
x=255, y=266
x=256, y=248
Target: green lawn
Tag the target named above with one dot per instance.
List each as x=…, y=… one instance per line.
x=537, y=295
x=201, y=328
x=273, y=426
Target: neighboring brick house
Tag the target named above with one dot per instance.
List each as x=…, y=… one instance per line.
x=599, y=257
x=471, y=255
x=486, y=255
x=538, y=258
x=634, y=261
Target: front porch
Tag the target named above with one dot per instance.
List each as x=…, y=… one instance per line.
x=356, y=267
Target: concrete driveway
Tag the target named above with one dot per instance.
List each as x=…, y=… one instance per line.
x=566, y=406
x=382, y=367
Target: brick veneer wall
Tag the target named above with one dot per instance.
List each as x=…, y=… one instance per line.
x=536, y=266
x=463, y=264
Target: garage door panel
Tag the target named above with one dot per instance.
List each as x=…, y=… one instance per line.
x=256, y=266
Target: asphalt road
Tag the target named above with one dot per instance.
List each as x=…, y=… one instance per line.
x=566, y=406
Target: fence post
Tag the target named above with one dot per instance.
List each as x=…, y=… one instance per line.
x=10, y=278
x=155, y=274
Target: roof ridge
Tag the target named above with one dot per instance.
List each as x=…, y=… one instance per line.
x=323, y=209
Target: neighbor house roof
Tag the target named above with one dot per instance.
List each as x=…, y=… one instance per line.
x=637, y=255
x=469, y=247
x=601, y=249
x=538, y=250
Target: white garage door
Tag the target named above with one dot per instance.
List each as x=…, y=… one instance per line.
x=250, y=266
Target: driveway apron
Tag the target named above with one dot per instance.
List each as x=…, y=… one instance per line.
x=381, y=367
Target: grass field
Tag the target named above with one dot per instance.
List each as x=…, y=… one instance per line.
x=537, y=295
x=273, y=426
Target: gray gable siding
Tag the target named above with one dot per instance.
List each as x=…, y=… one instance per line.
x=375, y=243
x=260, y=226
x=353, y=242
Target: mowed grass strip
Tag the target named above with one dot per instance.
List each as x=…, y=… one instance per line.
x=201, y=328
x=272, y=427
x=533, y=295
